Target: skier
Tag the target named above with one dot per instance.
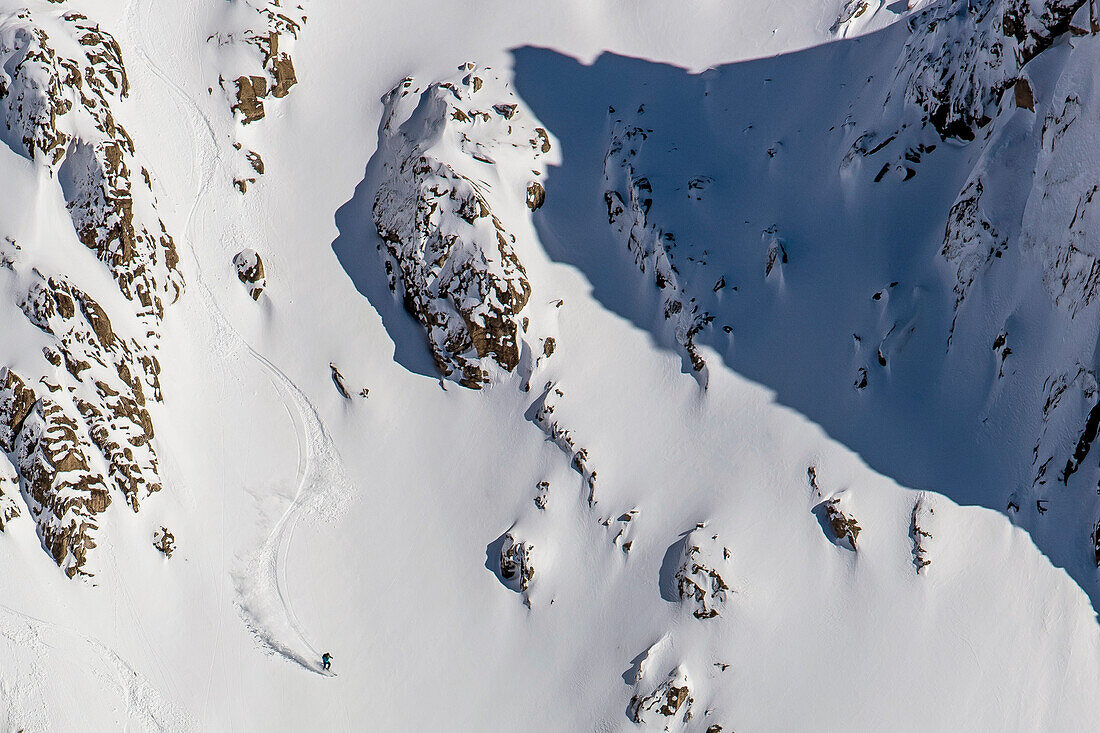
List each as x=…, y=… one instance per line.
x=326, y=661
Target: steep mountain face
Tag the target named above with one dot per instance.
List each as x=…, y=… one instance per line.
x=1018, y=92
x=933, y=285
x=776, y=328
x=77, y=427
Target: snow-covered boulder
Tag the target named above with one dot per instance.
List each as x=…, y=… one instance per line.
x=699, y=579
x=669, y=704
x=457, y=159
x=516, y=565
x=843, y=524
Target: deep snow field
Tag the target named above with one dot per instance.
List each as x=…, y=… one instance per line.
x=372, y=526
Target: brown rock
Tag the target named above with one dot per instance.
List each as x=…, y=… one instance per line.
x=250, y=271
x=1025, y=98
x=536, y=195
x=251, y=91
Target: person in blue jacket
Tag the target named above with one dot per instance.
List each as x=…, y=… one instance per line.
x=326, y=661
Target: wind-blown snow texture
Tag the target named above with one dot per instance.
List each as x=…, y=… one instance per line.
x=578, y=366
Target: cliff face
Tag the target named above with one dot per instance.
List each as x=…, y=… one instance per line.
x=76, y=427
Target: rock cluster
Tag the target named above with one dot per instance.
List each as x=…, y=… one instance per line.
x=628, y=196
x=962, y=56
x=669, y=703
x=77, y=425
x=547, y=421
x=278, y=26
x=516, y=566
x=699, y=582
x=454, y=156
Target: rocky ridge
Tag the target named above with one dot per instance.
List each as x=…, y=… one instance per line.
x=629, y=197
x=79, y=430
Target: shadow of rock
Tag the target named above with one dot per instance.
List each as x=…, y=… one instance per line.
x=670, y=563
x=740, y=156
x=492, y=561
x=357, y=249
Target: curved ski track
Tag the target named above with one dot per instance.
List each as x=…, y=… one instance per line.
x=322, y=485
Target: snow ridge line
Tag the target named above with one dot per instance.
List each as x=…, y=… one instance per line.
x=323, y=486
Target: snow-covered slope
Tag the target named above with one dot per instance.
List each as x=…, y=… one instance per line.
x=581, y=366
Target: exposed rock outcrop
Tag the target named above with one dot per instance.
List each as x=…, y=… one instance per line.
x=338, y=381
x=164, y=541
x=516, y=565
x=256, y=68
x=849, y=14
x=251, y=91
x=76, y=427
x=542, y=494
x=699, y=580
x=669, y=704
x=777, y=254
x=271, y=31
x=547, y=421
x=121, y=377
x=446, y=230
x=536, y=195
x=962, y=56
x=971, y=241
x=844, y=526
x=50, y=100
x=9, y=492
x=628, y=196
x=59, y=481
x=919, y=532
x=250, y=271
x=1096, y=543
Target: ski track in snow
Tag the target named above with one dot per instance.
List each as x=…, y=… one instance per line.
x=22, y=694
x=323, y=487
